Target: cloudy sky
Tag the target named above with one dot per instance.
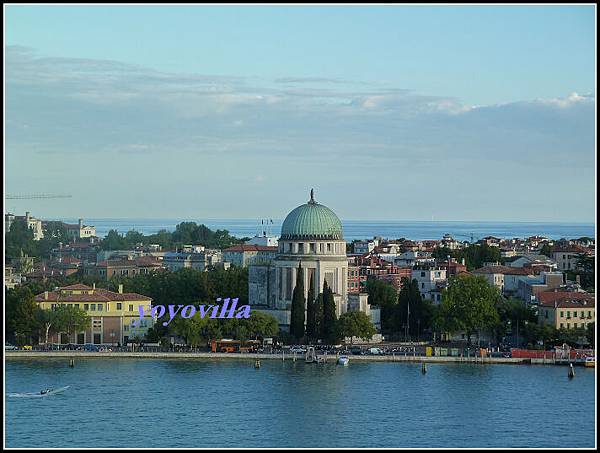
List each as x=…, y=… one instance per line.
x=389, y=112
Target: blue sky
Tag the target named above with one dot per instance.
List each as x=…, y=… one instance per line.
x=390, y=112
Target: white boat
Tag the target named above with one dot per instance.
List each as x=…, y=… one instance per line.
x=343, y=360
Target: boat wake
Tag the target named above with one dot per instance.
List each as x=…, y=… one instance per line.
x=38, y=394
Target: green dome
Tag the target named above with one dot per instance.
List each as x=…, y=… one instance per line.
x=312, y=221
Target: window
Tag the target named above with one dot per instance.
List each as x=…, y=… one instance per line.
x=119, y=306
x=99, y=307
x=76, y=305
x=130, y=307
x=561, y=325
x=562, y=314
x=329, y=247
x=313, y=247
x=300, y=247
x=290, y=247
x=126, y=328
x=93, y=307
x=568, y=315
x=86, y=307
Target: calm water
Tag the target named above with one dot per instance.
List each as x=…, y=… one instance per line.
x=362, y=229
x=210, y=403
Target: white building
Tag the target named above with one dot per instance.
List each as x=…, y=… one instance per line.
x=35, y=225
x=311, y=241
x=429, y=281
x=78, y=230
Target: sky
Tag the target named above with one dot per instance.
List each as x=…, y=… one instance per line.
x=483, y=113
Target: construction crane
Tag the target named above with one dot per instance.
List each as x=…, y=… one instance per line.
x=35, y=196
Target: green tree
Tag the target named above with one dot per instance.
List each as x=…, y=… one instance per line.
x=546, y=249
x=24, y=313
x=48, y=322
x=383, y=295
x=298, y=307
x=329, y=315
x=311, y=312
x=412, y=309
x=591, y=333
x=71, y=320
x=468, y=304
x=354, y=324
x=19, y=240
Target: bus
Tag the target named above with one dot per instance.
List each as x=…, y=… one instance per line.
x=227, y=345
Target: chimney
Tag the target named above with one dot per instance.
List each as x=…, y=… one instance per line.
x=93, y=286
x=45, y=295
x=120, y=288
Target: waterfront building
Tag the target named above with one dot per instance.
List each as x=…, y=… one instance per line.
x=566, y=309
x=111, y=313
x=35, y=225
x=242, y=255
x=312, y=240
x=78, y=231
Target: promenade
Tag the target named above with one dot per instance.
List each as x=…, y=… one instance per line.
x=251, y=356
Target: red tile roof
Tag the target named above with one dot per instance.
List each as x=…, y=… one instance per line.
x=566, y=299
x=94, y=295
x=506, y=270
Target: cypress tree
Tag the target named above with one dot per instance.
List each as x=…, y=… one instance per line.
x=311, y=314
x=319, y=316
x=329, y=317
x=298, y=301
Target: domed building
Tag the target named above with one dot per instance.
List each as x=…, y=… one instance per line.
x=312, y=239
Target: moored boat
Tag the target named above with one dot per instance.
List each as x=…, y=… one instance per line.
x=343, y=360
x=590, y=362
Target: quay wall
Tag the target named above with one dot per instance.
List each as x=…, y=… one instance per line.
x=237, y=356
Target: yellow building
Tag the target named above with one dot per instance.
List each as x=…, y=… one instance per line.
x=566, y=309
x=111, y=313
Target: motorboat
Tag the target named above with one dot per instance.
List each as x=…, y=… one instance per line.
x=590, y=362
x=343, y=360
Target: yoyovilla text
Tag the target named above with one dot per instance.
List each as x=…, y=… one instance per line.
x=224, y=310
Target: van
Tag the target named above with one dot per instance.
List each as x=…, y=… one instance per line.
x=375, y=351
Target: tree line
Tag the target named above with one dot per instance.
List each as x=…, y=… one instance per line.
x=314, y=318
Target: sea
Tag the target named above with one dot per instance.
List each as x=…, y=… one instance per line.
x=361, y=229
x=179, y=403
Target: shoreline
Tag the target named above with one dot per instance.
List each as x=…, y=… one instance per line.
x=280, y=357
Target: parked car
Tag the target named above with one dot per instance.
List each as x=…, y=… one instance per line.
x=27, y=347
x=10, y=347
x=375, y=351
